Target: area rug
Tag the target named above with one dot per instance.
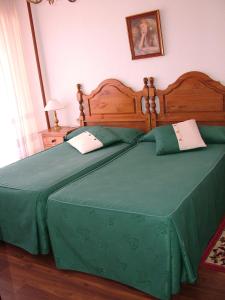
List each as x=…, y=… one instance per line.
x=214, y=256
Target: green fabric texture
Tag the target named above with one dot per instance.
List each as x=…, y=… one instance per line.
x=135, y=222
x=148, y=137
x=125, y=135
x=26, y=185
x=166, y=140
x=105, y=135
x=210, y=134
x=213, y=134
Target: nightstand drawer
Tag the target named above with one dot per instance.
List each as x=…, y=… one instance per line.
x=50, y=141
x=52, y=137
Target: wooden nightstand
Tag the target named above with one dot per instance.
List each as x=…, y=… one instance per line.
x=52, y=137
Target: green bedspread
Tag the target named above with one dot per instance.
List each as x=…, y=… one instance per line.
x=143, y=220
x=26, y=185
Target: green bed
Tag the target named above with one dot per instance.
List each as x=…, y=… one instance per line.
x=26, y=185
x=143, y=220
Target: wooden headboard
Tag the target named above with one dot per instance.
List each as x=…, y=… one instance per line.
x=194, y=95
x=114, y=104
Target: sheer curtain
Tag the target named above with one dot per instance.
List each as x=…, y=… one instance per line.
x=18, y=128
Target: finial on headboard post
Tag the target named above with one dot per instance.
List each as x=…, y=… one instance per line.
x=152, y=94
x=80, y=100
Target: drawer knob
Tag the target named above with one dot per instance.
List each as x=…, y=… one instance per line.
x=54, y=140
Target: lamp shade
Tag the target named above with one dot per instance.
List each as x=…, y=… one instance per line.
x=53, y=105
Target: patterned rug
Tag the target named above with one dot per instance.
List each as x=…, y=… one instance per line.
x=214, y=256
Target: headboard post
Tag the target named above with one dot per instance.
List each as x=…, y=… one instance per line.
x=146, y=95
x=147, y=104
x=80, y=100
x=152, y=93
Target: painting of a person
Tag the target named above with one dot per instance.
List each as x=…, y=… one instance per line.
x=145, y=37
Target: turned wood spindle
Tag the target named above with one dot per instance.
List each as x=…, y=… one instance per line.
x=80, y=100
x=146, y=95
x=152, y=93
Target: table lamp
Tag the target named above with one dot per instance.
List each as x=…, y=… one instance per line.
x=54, y=105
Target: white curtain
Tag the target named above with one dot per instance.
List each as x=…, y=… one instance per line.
x=18, y=129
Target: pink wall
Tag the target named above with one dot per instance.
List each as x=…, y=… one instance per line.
x=87, y=42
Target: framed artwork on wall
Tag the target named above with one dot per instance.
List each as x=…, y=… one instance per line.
x=145, y=35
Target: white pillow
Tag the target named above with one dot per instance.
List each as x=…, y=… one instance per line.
x=188, y=135
x=85, y=142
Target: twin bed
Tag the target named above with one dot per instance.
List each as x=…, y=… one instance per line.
x=26, y=184
x=122, y=212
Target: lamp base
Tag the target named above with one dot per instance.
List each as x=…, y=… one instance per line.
x=56, y=122
x=57, y=127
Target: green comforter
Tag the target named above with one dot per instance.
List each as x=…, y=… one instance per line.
x=143, y=220
x=26, y=185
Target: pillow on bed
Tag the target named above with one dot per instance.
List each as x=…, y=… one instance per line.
x=100, y=132
x=94, y=138
x=79, y=131
x=178, y=137
x=127, y=135
x=210, y=134
x=85, y=142
x=213, y=134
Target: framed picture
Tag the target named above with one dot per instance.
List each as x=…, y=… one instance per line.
x=145, y=36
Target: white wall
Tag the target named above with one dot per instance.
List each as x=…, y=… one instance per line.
x=87, y=42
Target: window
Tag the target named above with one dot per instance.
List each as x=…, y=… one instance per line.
x=18, y=129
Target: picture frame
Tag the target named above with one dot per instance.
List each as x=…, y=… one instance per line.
x=145, y=35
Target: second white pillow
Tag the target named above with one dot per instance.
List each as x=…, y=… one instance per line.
x=188, y=135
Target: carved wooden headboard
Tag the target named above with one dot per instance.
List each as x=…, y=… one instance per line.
x=194, y=95
x=114, y=104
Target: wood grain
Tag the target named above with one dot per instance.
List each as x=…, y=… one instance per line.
x=25, y=277
x=114, y=104
x=52, y=137
x=194, y=95
x=38, y=61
